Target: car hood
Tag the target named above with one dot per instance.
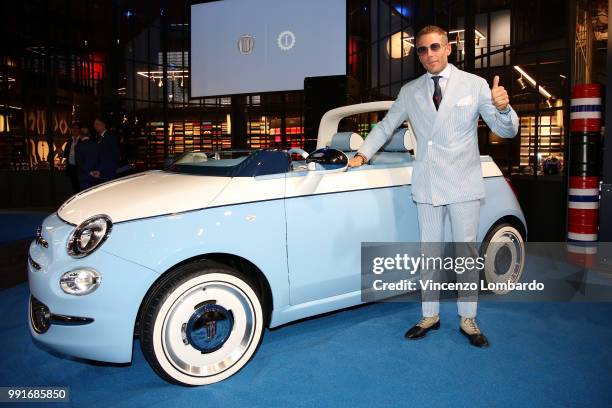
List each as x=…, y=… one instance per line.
x=143, y=195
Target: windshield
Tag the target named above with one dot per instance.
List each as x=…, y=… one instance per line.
x=220, y=163
x=231, y=163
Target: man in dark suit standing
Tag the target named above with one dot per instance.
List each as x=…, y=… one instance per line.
x=88, y=160
x=108, y=152
x=70, y=156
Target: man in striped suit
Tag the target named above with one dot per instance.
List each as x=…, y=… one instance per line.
x=443, y=106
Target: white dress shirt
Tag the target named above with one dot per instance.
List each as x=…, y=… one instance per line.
x=444, y=74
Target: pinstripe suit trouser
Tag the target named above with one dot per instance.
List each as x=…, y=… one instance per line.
x=464, y=217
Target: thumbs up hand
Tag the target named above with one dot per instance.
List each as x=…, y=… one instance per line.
x=499, y=96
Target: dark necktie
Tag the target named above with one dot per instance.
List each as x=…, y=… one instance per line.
x=437, y=95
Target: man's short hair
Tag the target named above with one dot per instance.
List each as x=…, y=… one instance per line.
x=432, y=29
x=102, y=119
x=75, y=124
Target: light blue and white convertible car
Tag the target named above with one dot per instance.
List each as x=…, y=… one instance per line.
x=198, y=259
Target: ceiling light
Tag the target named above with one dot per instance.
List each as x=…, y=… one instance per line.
x=532, y=82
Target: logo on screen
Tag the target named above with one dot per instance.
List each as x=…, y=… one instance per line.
x=246, y=43
x=286, y=40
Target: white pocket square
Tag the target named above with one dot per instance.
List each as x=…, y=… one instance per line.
x=465, y=101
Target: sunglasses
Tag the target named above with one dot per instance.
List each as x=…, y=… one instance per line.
x=422, y=50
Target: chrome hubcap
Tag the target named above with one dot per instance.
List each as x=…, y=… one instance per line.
x=508, y=256
x=505, y=258
x=208, y=328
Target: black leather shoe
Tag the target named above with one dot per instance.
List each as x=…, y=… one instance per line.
x=418, y=332
x=476, y=340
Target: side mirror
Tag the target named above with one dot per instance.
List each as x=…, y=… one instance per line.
x=327, y=160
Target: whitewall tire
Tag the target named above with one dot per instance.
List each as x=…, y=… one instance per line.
x=201, y=324
x=504, y=252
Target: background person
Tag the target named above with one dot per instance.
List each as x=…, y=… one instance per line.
x=70, y=156
x=88, y=159
x=108, y=152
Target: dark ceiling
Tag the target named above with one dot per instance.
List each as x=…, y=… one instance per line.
x=80, y=25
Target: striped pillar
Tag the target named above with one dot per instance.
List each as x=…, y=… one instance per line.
x=584, y=172
x=583, y=209
x=583, y=219
x=585, y=110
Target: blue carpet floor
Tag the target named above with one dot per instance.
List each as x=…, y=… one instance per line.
x=542, y=355
x=19, y=225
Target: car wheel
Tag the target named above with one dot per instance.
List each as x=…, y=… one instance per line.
x=504, y=252
x=201, y=324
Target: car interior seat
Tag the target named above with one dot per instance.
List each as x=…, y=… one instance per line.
x=345, y=141
x=395, y=150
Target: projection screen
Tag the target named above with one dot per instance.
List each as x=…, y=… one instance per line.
x=251, y=46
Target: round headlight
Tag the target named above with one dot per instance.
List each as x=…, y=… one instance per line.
x=80, y=281
x=89, y=235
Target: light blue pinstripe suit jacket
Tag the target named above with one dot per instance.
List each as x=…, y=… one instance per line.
x=447, y=167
